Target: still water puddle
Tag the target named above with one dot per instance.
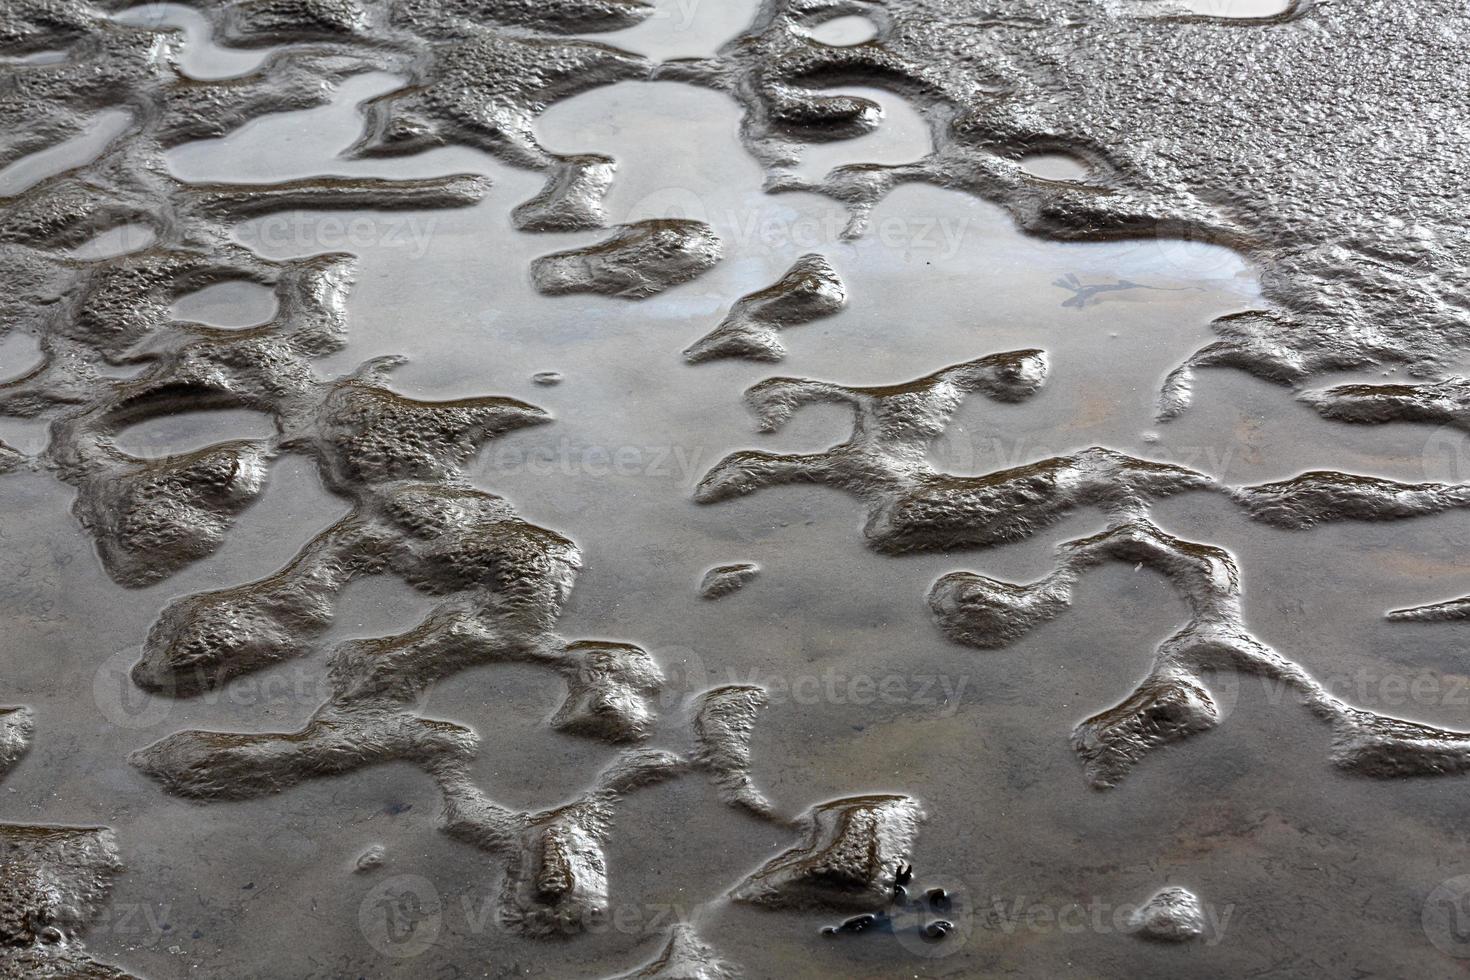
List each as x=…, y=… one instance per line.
x=227, y=304
x=843, y=31
x=115, y=241
x=1055, y=166
x=199, y=55
x=19, y=354
x=30, y=170
x=183, y=432
x=287, y=146
x=1245, y=9
x=683, y=28
x=901, y=137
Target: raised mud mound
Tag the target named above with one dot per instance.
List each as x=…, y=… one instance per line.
x=640, y=261
x=912, y=507
x=482, y=73
x=1309, y=176
x=808, y=291
x=723, y=580
x=53, y=881
x=685, y=958
x=1171, y=915
x=850, y=857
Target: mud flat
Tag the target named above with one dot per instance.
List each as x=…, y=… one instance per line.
x=1076, y=451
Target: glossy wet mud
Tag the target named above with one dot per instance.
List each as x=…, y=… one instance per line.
x=389, y=384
